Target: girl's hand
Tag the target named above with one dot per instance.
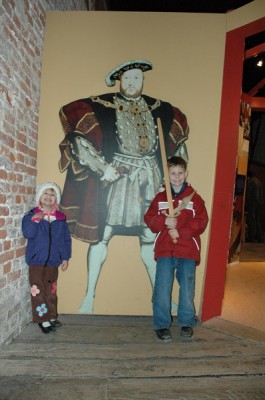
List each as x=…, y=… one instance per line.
x=39, y=215
x=64, y=265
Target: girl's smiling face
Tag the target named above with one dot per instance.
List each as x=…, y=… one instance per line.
x=48, y=199
x=177, y=176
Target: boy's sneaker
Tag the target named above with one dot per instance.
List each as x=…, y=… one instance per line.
x=186, y=333
x=164, y=335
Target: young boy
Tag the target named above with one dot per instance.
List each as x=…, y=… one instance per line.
x=48, y=249
x=177, y=250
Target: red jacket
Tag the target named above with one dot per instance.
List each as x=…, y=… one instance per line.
x=191, y=223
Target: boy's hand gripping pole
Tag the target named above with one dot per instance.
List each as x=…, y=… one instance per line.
x=165, y=170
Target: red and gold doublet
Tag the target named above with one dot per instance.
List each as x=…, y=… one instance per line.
x=84, y=194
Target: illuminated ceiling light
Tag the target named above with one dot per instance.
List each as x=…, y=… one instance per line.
x=260, y=63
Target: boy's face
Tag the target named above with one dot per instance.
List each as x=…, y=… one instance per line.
x=177, y=175
x=48, y=198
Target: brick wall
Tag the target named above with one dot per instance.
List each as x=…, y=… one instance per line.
x=22, y=26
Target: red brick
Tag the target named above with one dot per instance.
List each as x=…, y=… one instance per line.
x=33, y=162
x=28, y=102
x=7, y=245
x=18, y=199
x=22, y=137
x=2, y=199
x=21, y=159
x=7, y=267
x=7, y=140
x=4, y=211
x=26, y=6
x=12, y=157
x=19, y=177
x=17, y=22
x=42, y=18
x=27, y=170
x=10, y=176
x=3, y=234
x=20, y=252
x=22, y=148
x=7, y=256
x=33, y=153
x=30, y=20
x=3, y=174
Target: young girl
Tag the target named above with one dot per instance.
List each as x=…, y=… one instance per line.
x=48, y=248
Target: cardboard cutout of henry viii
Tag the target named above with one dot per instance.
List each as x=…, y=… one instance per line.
x=112, y=157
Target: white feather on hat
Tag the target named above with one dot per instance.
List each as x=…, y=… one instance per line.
x=48, y=185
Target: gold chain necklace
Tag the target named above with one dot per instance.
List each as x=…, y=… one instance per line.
x=133, y=106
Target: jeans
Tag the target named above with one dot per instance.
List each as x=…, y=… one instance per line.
x=185, y=275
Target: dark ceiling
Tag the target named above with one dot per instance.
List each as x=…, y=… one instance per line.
x=252, y=74
x=200, y=6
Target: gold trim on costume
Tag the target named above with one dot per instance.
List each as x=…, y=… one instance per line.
x=133, y=105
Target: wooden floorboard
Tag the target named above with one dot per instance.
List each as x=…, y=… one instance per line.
x=118, y=358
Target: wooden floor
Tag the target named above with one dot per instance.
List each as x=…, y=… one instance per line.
x=97, y=357
x=244, y=295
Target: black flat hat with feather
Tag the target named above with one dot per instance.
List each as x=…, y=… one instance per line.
x=116, y=73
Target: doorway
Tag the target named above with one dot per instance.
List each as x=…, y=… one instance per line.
x=253, y=246
x=253, y=89
x=247, y=234
x=244, y=294
x=245, y=279
x=225, y=169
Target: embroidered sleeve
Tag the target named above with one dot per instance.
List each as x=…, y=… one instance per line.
x=81, y=147
x=87, y=155
x=178, y=134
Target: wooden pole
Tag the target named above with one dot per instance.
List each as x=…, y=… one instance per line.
x=165, y=168
x=185, y=201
